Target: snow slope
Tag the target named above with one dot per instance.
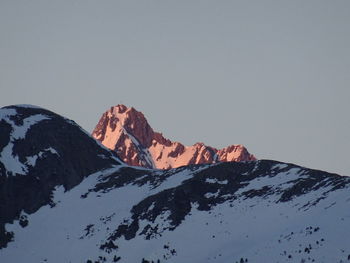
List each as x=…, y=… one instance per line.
x=260, y=211
x=40, y=150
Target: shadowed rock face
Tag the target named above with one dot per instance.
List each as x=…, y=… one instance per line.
x=126, y=131
x=40, y=150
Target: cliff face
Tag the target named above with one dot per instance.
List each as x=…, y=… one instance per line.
x=126, y=131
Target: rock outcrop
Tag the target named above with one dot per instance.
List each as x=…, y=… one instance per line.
x=127, y=132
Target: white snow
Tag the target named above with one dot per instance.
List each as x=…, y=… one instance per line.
x=255, y=228
x=212, y=195
x=280, y=166
x=10, y=161
x=5, y=113
x=215, y=181
x=29, y=106
x=31, y=160
x=20, y=131
x=174, y=180
x=281, y=181
x=177, y=178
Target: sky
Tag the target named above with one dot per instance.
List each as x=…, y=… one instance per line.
x=271, y=75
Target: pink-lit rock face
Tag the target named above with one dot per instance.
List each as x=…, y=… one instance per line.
x=126, y=131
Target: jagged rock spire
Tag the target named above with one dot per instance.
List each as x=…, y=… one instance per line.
x=126, y=131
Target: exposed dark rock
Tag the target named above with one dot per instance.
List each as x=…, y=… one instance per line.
x=108, y=246
x=225, y=179
x=75, y=155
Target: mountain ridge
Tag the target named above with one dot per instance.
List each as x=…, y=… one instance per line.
x=66, y=198
x=126, y=131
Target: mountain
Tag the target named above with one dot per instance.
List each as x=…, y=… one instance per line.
x=66, y=198
x=40, y=150
x=126, y=131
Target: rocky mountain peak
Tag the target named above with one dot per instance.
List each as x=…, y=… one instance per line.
x=126, y=131
x=120, y=108
x=121, y=120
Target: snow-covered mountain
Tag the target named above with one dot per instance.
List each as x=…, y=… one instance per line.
x=126, y=131
x=40, y=150
x=65, y=198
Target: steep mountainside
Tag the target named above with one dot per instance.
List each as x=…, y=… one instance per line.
x=127, y=132
x=40, y=150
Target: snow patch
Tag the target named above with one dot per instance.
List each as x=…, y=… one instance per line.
x=31, y=160
x=9, y=160
x=20, y=131
x=5, y=113
x=28, y=106
x=215, y=181
x=256, y=229
x=212, y=195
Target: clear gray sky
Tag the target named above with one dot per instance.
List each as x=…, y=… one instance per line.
x=272, y=75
